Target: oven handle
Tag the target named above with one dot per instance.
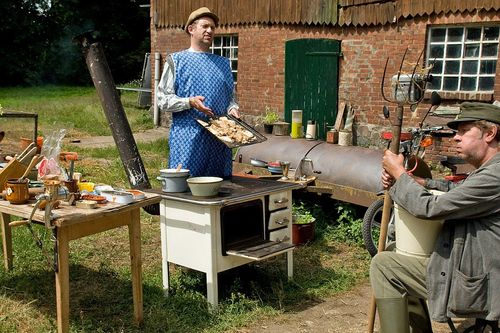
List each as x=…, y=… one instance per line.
x=281, y=201
x=285, y=221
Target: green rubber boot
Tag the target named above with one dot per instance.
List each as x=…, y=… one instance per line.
x=393, y=315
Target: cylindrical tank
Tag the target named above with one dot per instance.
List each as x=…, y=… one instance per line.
x=355, y=167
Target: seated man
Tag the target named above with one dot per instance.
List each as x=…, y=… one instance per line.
x=462, y=276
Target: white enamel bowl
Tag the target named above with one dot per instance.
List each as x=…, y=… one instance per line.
x=204, y=186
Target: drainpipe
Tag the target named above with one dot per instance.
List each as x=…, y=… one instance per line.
x=156, y=111
x=115, y=114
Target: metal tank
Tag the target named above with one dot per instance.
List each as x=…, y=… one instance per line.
x=350, y=174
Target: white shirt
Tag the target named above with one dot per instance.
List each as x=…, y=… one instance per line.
x=167, y=99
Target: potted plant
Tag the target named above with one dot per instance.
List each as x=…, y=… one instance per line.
x=268, y=119
x=303, y=225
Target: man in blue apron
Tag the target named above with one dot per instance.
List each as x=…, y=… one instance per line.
x=462, y=275
x=197, y=84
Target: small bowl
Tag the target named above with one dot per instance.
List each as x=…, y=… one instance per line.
x=204, y=186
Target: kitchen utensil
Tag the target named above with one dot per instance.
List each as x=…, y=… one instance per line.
x=17, y=191
x=204, y=186
x=13, y=169
x=137, y=194
x=33, y=162
x=257, y=137
x=173, y=180
x=29, y=155
x=118, y=196
x=179, y=166
x=258, y=163
x=285, y=167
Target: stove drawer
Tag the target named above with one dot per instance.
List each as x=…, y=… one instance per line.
x=279, y=219
x=280, y=200
x=282, y=235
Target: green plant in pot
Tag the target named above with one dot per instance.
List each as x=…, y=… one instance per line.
x=303, y=225
x=268, y=119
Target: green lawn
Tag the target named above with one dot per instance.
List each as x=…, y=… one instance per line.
x=100, y=284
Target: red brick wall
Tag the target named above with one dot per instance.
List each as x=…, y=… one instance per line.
x=365, y=49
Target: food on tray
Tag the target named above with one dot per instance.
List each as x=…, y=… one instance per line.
x=228, y=130
x=99, y=198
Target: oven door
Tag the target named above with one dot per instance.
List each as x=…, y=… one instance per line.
x=243, y=232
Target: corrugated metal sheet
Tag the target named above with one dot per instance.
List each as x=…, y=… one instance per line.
x=173, y=13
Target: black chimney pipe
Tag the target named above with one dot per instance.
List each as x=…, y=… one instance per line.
x=115, y=114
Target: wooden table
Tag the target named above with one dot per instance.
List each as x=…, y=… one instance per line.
x=72, y=223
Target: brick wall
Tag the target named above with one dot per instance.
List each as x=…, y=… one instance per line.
x=261, y=59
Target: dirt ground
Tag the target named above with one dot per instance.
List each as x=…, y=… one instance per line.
x=346, y=313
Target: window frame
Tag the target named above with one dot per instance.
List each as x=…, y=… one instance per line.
x=231, y=47
x=463, y=42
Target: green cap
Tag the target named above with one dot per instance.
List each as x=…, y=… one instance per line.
x=473, y=111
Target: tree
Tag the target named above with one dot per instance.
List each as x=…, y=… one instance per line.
x=44, y=51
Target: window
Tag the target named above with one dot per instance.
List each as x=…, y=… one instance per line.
x=227, y=46
x=464, y=58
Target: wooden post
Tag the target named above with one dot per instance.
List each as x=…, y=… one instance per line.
x=386, y=210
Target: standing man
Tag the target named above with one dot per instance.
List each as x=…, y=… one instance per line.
x=198, y=84
x=462, y=276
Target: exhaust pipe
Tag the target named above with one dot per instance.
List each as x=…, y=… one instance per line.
x=115, y=114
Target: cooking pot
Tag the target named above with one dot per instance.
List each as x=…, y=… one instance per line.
x=173, y=180
x=17, y=190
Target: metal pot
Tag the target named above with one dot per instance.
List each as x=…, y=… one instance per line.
x=173, y=180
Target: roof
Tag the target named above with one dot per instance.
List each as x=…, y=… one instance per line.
x=173, y=13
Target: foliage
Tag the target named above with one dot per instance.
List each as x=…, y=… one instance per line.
x=349, y=228
x=43, y=50
x=270, y=116
x=335, y=221
x=301, y=214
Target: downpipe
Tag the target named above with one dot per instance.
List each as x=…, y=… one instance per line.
x=115, y=114
x=156, y=111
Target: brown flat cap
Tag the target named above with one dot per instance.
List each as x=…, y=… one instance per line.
x=472, y=111
x=200, y=12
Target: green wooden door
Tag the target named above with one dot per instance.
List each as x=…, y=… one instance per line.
x=311, y=81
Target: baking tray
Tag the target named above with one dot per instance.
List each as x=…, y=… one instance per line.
x=258, y=136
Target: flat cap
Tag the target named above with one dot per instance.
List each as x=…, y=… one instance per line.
x=472, y=111
x=200, y=12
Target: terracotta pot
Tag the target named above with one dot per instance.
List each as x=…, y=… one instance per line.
x=303, y=233
x=17, y=191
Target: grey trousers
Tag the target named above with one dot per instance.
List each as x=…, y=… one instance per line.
x=395, y=275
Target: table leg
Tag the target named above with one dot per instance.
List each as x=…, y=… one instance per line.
x=164, y=253
x=6, y=240
x=134, y=230
x=289, y=263
x=62, y=280
x=212, y=288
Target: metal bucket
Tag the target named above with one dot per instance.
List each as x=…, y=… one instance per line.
x=415, y=236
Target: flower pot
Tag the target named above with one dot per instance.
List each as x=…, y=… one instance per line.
x=303, y=233
x=268, y=128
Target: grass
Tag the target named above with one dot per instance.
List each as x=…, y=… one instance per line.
x=100, y=284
